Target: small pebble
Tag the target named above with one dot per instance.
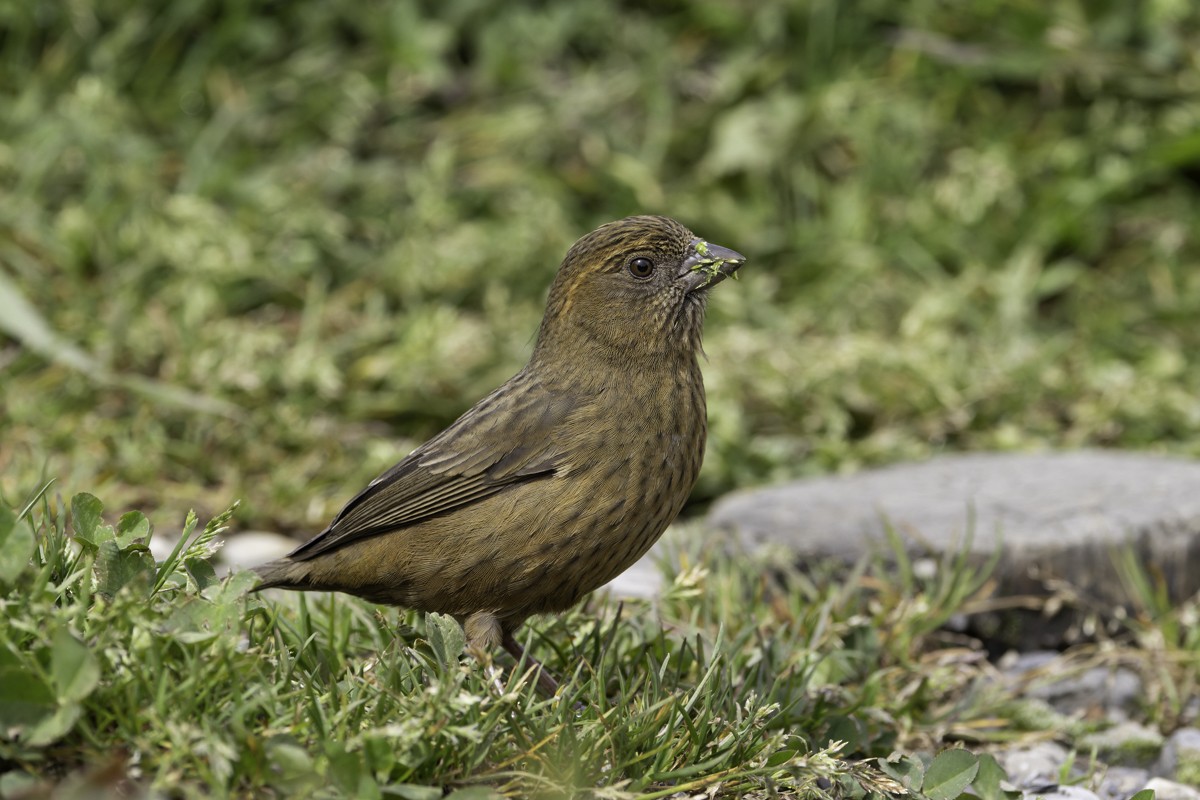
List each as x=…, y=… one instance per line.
x=1121, y=783
x=1061, y=793
x=1039, y=764
x=1170, y=790
x=1127, y=744
x=1181, y=756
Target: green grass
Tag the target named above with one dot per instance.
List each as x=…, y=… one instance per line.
x=746, y=679
x=968, y=227
x=739, y=679
x=259, y=251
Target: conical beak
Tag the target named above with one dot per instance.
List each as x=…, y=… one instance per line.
x=708, y=265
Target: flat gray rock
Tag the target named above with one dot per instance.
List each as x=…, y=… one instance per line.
x=643, y=580
x=1056, y=518
x=251, y=548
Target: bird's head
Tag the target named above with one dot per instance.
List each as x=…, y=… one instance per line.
x=632, y=289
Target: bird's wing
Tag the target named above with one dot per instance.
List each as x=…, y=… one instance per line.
x=507, y=438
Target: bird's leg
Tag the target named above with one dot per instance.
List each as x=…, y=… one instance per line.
x=545, y=681
x=484, y=631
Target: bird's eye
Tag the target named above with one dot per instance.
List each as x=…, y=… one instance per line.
x=641, y=267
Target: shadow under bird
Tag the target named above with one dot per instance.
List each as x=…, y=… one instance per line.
x=563, y=477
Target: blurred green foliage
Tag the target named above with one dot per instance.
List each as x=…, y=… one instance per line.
x=971, y=225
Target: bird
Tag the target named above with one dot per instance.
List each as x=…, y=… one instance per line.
x=564, y=476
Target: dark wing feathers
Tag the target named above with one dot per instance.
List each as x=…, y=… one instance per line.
x=507, y=438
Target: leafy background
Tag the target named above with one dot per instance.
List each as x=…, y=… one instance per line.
x=259, y=250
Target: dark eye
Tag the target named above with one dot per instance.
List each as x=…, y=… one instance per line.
x=641, y=267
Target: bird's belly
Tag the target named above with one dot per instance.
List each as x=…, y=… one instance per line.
x=592, y=527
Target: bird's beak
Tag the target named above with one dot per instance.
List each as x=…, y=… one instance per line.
x=708, y=264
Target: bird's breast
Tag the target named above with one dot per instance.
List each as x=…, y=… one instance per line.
x=629, y=478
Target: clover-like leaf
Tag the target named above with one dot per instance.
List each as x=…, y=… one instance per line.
x=446, y=638
x=950, y=773
x=16, y=545
x=73, y=667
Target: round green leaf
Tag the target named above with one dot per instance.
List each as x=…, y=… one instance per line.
x=908, y=770
x=16, y=545
x=24, y=699
x=73, y=667
x=950, y=773
x=85, y=517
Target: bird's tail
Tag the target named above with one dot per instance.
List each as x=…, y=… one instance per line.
x=283, y=573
